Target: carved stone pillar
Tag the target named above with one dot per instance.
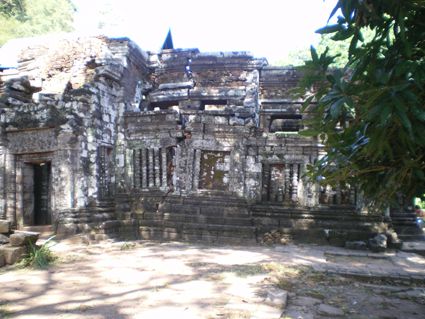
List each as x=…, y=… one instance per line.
x=163, y=155
x=157, y=166
x=144, y=167
x=151, y=167
x=288, y=182
x=294, y=183
x=137, y=168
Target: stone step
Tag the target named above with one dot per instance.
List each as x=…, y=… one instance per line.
x=38, y=229
x=45, y=231
x=417, y=247
x=237, y=230
x=170, y=234
x=219, y=220
x=213, y=211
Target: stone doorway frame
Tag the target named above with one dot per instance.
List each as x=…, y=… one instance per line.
x=31, y=159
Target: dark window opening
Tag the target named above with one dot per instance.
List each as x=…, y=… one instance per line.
x=170, y=166
x=286, y=123
x=164, y=105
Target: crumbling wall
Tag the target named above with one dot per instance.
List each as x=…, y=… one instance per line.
x=75, y=89
x=175, y=137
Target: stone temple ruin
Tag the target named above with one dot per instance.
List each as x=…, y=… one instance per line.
x=98, y=136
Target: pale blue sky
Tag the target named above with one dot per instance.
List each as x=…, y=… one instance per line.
x=269, y=28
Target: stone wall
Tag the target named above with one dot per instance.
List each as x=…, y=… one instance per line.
x=183, y=143
x=62, y=106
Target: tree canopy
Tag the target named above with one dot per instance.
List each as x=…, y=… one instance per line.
x=370, y=114
x=21, y=18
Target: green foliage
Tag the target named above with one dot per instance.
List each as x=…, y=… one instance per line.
x=20, y=18
x=420, y=203
x=128, y=246
x=295, y=58
x=370, y=114
x=39, y=257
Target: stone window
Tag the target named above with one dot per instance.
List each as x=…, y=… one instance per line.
x=329, y=195
x=285, y=123
x=280, y=182
x=213, y=105
x=153, y=167
x=214, y=170
x=105, y=172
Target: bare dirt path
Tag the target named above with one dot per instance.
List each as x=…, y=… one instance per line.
x=178, y=280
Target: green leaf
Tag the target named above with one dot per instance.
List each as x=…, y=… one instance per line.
x=330, y=29
x=343, y=34
x=401, y=112
x=307, y=101
x=314, y=55
x=336, y=108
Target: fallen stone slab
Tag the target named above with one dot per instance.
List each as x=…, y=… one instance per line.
x=21, y=238
x=298, y=313
x=417, y=247
x=356, y=245
x=4, y=226
x=13, y=254
x=277, y=297
x=378, y=243
x=303, y=301
x=4, y=239
x=330, y=311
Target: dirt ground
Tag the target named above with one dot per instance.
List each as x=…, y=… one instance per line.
x=179, y=280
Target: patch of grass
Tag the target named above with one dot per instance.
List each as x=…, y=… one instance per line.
x=128, y=246
x=246, y=270
x=39, y=256
x=239, y=270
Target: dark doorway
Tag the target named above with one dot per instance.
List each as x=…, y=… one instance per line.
x=41, y=194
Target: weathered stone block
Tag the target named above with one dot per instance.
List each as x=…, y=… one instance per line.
x=23, y=238
x=12, y=254
x=329, y=311
x=378, y=243
x=3, y=239
x=4, y=226
x=277, y=297
x=357, y=245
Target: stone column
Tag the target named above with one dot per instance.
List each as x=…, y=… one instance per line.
x=196, y=168
x=2, y=183
x=295, y=183
x=10, y=187
x=157, y=167
x=19, y=195
x=164, y=167
x=137, y=166
x=288, y=182
x=144, y=167
x=151, y=179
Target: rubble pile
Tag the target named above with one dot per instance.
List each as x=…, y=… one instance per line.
x=14, y=246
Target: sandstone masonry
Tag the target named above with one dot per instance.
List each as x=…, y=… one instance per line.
x=98, y=136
